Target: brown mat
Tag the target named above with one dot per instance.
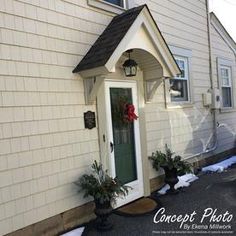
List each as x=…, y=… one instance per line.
x=139, y=207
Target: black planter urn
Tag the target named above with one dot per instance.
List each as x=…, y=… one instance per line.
x=171, y=178
x=103, y=211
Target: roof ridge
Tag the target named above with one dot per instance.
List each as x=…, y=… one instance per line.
x=131, y=10
x=106, y=43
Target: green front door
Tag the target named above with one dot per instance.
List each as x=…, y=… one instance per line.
x=120, y=143
x=123, y=136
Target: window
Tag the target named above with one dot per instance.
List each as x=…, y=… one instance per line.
x=225, y=79
x=179, y=86
x=226, y=86
x=178, y=90
x=120, y=3
x=114, y=6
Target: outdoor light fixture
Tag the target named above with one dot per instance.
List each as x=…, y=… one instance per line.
x=130, y=66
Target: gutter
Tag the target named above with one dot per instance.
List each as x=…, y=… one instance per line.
x=215, y=124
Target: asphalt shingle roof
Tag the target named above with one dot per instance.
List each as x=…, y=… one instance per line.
x=108, y=41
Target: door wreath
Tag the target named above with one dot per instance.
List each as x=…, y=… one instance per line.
x=123, y=112
x=129, y=113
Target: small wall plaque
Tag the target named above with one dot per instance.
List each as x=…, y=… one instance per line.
x=89, y=120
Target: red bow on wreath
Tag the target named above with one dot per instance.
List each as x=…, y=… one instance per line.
x=130, y=115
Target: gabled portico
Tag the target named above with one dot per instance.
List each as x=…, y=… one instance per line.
x=134, y=29
x=123, y=147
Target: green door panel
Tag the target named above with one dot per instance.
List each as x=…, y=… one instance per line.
x=123, y=136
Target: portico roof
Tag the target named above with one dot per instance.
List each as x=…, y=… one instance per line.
x=110, y=45
x=105, y=45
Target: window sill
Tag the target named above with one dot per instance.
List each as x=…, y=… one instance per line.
x=227, y=110
x=179, y=105
x=106, y=6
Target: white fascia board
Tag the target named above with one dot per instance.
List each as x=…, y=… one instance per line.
x=122, y=47
x=222, y=32
x=102, y=70
x=152, y=42
x=164, y=50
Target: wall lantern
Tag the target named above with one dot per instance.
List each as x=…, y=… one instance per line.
x=130, y=66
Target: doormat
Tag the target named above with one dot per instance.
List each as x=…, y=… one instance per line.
x=139, y=207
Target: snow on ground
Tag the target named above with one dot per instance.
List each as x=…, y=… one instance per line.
x=184, y=181
x=221, y=166
x=75, y=232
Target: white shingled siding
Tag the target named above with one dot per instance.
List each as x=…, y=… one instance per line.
x=43, y=143
x=227, y=133
x=186, y=130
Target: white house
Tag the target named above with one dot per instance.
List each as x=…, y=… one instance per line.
x=60, y=59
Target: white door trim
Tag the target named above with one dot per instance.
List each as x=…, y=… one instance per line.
x=137, y=185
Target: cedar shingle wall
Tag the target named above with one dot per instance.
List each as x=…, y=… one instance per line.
x=227, y=133
x=43, y=144
x=186, y=130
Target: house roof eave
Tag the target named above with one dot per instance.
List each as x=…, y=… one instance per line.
x=222, y=31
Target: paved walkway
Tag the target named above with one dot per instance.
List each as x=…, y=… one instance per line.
x=216, y=191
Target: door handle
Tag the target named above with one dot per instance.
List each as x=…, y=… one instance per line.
x=111, y=147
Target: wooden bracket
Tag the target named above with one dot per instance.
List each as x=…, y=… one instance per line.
x=91, y=87
x=151, y=87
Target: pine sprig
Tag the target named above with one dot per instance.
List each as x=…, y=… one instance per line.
x=166, y=160
x=100, y=185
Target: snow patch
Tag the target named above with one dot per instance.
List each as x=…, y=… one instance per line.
x=221, y=166
x=75, y=232
x=184, y=181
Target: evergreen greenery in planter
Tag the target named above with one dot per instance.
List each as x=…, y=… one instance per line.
x=173, y=166
x=101, y=186
x=166, y=160
x=104, y=189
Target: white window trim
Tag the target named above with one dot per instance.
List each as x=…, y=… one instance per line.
x=111, y=7
x=186, y=54
x=228, y=64
x=186, y=78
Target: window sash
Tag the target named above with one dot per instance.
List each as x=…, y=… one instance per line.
x=185, y=65
x=119, y=3
x=226, y=97
x=226, y=86
x=226, y=77
x=181, y=94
